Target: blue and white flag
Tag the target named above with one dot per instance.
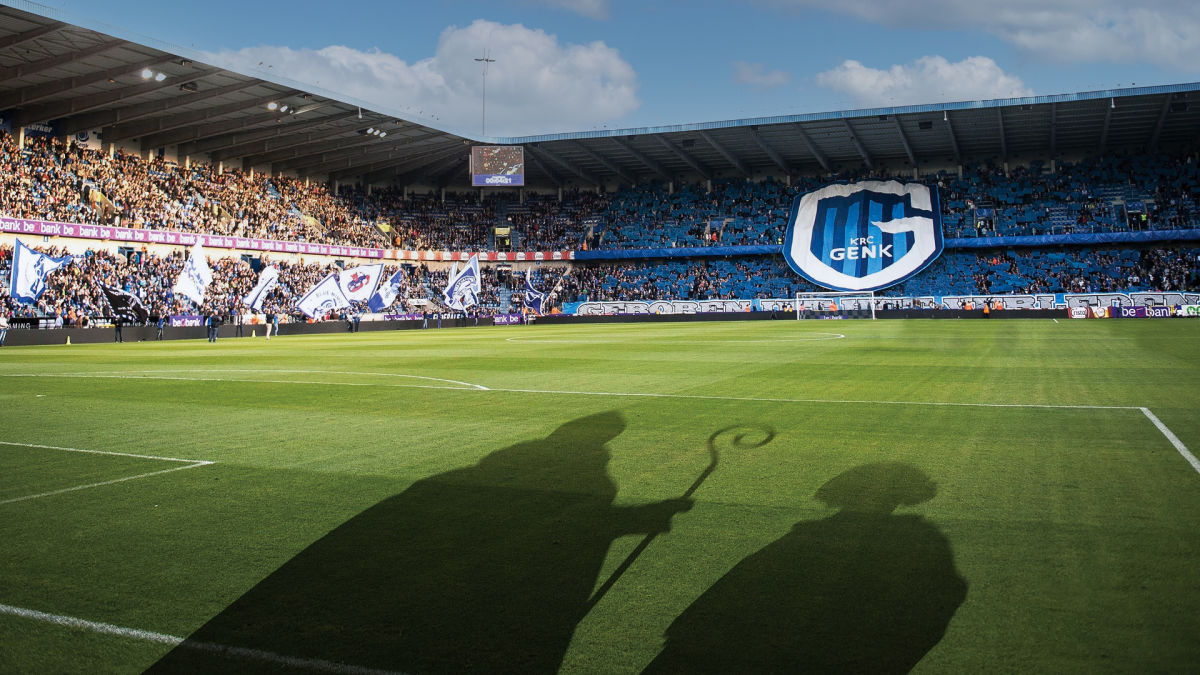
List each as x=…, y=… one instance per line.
x=358, y=283
x=386, y=295
x=463, y=287
x=268, y=279
x=325, y=297
x=864, y=236
x=533, y=297
x=27, y=280
x=195, y=276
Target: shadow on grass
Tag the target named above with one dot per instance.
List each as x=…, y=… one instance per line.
x=485, y=569
x=863, y=590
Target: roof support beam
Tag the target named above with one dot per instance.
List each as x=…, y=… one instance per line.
x=82, y=104
x=1003, y=137
x=284, y=125
x=729, y=156
x=441, y=177
x=288, y=134
x=544, y=154
x=546, y=170
x=1162, y=121
x=198, y=140
x=641, y=157
x=686, y=157
x=40, y=92
x=151, y=108
x=160, y=125
x=354, y=163
x=1053, y=130
x=858, y=144
x=912, y=158
x=953, y=139
x=812, y=147
x=605, y=163
x=329, y=151
x=775, y=156
x=35, y=67
x=33, y=34
x=395, y=167
x=412, y=170
x=1104, y=130
x=292, y=151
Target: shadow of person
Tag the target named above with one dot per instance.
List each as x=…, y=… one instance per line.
x=486, y=569
x=863, y=590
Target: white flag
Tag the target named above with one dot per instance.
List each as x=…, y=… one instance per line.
x=195, y=276
x=358, y=283
x=462, y=289
x=267, y=280
x=325, y=297
x=29, y=272
x=386, y=295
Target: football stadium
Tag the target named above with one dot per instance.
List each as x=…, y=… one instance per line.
x=293, y=382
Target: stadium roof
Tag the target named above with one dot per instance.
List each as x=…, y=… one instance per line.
x=81, y=76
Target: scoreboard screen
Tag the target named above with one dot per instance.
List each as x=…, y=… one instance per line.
x=497, y=166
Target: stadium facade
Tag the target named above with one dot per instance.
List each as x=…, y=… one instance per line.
x=1072, y=176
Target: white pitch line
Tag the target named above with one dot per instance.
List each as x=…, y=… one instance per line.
x=103, y=483
x=810, y=400
x=1183, y=450
x=105, y=452
x=246, y=653
x=467, y=387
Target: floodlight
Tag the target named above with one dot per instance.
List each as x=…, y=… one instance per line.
x=147, y=73
x=272, y=105
x=160, y=77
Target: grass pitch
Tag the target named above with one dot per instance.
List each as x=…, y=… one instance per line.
x=952, y=496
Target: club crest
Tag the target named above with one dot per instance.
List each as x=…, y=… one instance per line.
x=864, y=236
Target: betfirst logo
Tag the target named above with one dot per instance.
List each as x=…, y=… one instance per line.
x=499, y=180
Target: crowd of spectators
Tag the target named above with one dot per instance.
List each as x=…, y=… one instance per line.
x=1104, y=269
x=64, y=180
x=73, y=292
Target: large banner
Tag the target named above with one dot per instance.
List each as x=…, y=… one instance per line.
x=1156, y=301
x=139, y=236
x=864, y=236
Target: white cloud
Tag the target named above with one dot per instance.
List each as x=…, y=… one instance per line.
x=536, y=85
x=929, y=78
x=1159, y=32
x=756, y=75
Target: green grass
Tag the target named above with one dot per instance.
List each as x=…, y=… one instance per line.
x=357, y=515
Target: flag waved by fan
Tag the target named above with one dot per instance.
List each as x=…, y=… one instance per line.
x=29, y=272
x=268, y=279
x=195, y=277
x=463, y=287
x=126, y=307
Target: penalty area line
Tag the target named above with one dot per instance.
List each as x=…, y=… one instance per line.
x=1173, y=439
x=102, y=483
x=244, y=653
x=104, y=452
x=703, y=397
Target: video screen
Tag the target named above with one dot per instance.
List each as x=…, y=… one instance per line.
x=497, y=165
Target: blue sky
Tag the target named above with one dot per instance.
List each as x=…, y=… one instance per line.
x=568, y=65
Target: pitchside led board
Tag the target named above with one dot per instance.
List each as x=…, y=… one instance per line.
x=864, y=236
x=497, y=165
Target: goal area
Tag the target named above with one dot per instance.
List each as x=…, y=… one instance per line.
x=836, y=305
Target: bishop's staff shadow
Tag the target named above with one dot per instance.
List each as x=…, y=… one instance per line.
x=488, y=568
x=864, y=590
